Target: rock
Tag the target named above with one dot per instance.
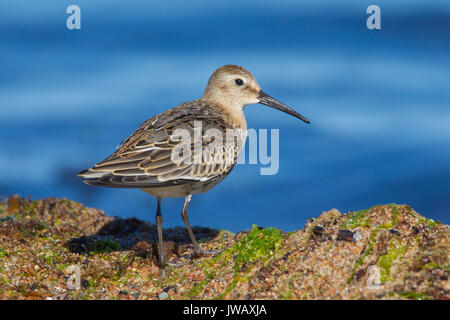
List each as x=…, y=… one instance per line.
x=143, y=249
x=386, y=252
x=318, y=230
x=163, y=295
x=357, y=236
x=13, y=204
x=345, y=235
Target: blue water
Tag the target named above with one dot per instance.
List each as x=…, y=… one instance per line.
x=379, y=101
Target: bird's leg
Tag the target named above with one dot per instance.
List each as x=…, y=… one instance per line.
x=159, y=222
x=198, y=251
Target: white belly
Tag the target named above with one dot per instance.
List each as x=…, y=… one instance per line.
x=167, y=192
x=184, y=189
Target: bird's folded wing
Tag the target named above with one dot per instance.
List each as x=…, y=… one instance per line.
x=178, y=146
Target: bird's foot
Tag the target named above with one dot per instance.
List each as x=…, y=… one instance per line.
x=199, y=252
x=172, y=263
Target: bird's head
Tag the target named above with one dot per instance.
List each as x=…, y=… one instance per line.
x=233, y=87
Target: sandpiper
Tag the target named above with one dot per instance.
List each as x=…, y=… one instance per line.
x=161, y=159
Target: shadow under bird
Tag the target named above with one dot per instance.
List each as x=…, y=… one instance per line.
x=159, y=160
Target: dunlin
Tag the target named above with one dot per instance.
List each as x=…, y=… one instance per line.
x=183, y=151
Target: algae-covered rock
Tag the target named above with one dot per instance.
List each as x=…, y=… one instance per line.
x=59, y=249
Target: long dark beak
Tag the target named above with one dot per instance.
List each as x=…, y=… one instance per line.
x=267, y=100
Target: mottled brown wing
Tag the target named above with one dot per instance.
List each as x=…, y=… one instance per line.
x=159, y=154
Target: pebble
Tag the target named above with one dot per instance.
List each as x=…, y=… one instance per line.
x=163, y=295
x=345, y=235
x=357, y=236
x=2, y=219
x=318, y=230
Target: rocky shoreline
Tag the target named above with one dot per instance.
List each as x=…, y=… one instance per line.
x=59, y=249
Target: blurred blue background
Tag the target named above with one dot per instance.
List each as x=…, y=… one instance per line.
x=378, y=101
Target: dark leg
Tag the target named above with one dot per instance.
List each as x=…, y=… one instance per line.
x=159, y=222
x=184, y=214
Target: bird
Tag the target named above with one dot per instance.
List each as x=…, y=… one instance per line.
x=163, y=160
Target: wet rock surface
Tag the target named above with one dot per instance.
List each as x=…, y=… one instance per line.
x=59, y=249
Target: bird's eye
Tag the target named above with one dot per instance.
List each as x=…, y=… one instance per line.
x=239, y=82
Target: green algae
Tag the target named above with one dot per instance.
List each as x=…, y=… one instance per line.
x=287, y=291
x=101, y=246
x=412, y=295
x=431, y=223
x=2, y=253
x=422, y=220
x=395, y=213
x=50, y=257
x=428, y=222
x=198, y=288
x=385, y=262
x=359, y=262
x=258, y=245
x=431, y=260
x=357, y=219
x=432, y=266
